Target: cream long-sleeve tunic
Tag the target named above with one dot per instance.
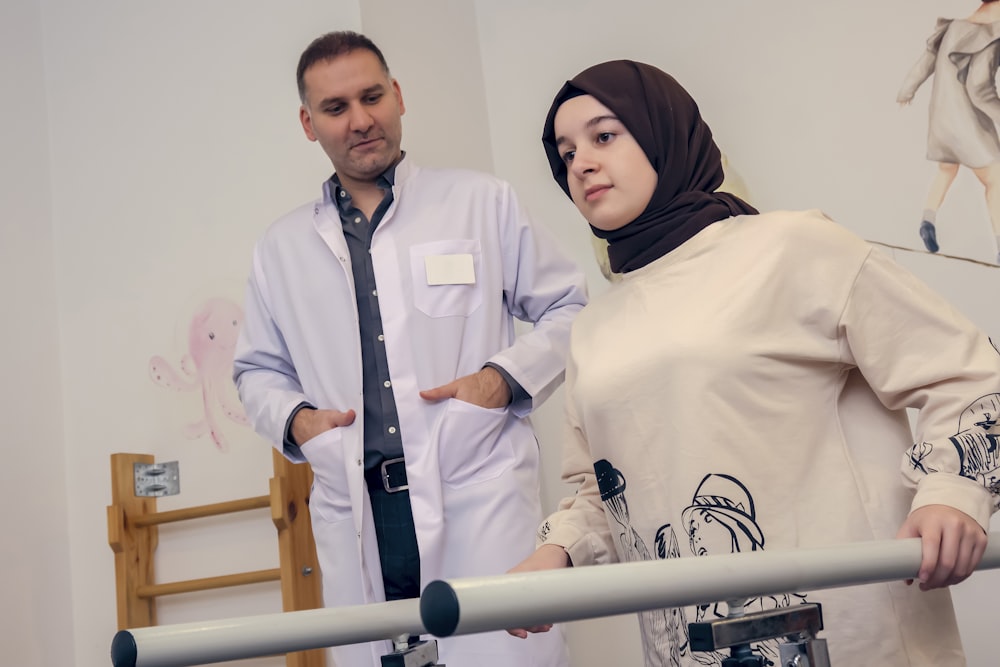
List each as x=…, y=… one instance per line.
x=747, y=392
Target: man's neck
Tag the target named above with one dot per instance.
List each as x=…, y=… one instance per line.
x=366, y=194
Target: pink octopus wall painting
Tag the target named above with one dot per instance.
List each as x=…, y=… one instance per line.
x=207, y=367
x=962, y=55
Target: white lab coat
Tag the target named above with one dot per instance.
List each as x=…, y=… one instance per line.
x=473, y=472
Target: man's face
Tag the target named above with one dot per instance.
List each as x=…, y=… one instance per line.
x=353, y=110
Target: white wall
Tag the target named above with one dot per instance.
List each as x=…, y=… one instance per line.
x=146, y=146
x=34, y=563
x=433, y=51
x=175, y=141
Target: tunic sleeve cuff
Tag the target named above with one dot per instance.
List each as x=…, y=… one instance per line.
x=583, y=548
x=958, y=492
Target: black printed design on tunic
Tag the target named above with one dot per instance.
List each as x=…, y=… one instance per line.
x=976, y=442
x=677, y=634
x=721, y=518
x=654, y=624
x=543, y=531
x=917, y=455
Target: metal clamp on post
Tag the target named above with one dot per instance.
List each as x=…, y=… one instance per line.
x=804, y=651
x=799, y=624
x=418, y=654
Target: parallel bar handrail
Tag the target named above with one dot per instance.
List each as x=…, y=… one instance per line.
x=201, y=643
x=464, y=606
x=201, y=511
x=481, y=604
x=208, y=583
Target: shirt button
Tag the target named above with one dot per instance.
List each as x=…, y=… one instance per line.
x=343, y=193
x=392, y=429
x=381, y=338
x=356, y=220
x=386, y=384
x=374, y=292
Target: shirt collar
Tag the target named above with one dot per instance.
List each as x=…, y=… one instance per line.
x=341, y=198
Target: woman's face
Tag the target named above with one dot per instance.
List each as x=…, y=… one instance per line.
x=708, y=535
x=610, y=178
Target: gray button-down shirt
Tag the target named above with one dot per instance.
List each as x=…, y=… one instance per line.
x=382, y=436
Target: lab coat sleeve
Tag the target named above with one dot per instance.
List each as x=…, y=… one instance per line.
x=917, y=351
x=544, y=287
x=579, y=524
x=267, y=382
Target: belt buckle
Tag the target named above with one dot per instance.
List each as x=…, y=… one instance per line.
x=385, y=476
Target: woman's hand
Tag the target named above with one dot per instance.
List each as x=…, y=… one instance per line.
x=952, y=544
x=546, y=557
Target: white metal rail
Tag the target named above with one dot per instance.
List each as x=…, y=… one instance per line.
x=480, y=604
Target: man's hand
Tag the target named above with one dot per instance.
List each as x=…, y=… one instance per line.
x=487, y=389
x=952, y=544
x=309, y=422
x=546, y=557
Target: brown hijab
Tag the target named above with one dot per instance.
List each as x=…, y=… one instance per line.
x=666, y=123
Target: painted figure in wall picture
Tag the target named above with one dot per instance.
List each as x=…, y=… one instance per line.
x=963, y=55
x=207, y=367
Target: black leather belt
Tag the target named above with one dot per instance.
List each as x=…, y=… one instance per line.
x=391, y=475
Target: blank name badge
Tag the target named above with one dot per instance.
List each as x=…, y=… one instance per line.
x=450, y=269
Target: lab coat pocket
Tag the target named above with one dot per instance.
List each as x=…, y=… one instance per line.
x=473, y=445
x=447, y=277
x=330, y=499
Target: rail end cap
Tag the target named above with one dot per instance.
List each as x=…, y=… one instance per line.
x=123, y=649
x=439, y=608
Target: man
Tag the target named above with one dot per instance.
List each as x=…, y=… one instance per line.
x=394, y=297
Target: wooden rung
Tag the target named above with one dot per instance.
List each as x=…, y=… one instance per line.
x=200, y=511
x=208, y=583
x=133, y=535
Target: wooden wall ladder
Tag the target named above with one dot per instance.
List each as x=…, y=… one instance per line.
x=133, y=536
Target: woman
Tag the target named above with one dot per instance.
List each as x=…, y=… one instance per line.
x=744, y=383
x=963, y=55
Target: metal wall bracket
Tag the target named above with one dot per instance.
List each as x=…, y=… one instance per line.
x=156, y=479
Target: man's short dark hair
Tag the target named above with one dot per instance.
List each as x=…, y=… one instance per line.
x=330, y=46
